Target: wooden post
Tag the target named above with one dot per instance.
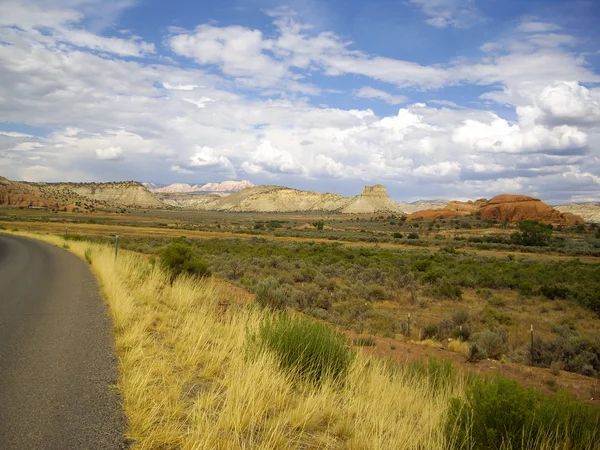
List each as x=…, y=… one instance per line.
x=116, y=245
x=408, y=327
x=532, y=345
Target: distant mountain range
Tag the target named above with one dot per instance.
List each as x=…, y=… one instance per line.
x=228, y=186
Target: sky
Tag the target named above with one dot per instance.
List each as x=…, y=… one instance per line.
x=450, y=99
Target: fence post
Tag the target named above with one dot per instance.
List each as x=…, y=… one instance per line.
x=532, y=345
x=408, y=327
x=66, y=231
x=116, y=245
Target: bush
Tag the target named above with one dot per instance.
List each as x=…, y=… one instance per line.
x=397, y=235
x=308, y=349
x=493, y=342
x=476, y=353
x=270, y=295
x=460, y=317
x=429, y=331
x=178, y=258
x=319, y=224
x=499, y=413
x=412, y=236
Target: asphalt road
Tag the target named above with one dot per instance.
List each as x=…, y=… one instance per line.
x=58, y=365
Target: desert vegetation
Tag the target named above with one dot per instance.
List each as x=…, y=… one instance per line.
x=202, y=367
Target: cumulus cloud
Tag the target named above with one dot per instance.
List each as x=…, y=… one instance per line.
x=162, y=120
x=110, y=153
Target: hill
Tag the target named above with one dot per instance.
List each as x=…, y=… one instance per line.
x=589, y=211
x=373, y=199
x=502, y=208
x=421, y=205
x=44, y=195
x=129, y=194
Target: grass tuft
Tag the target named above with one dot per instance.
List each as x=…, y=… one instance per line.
x=307, y=348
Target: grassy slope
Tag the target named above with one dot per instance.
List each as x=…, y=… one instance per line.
x=187, y=383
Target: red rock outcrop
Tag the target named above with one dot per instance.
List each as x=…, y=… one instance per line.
x=503, y=208
x=513, y=208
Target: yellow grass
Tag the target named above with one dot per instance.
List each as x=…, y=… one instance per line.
x=459, y=347
x=187, y=383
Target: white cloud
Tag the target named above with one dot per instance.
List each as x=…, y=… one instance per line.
x=369, y=92
x=156, y=117
x=181, y=170
x=533, y=26
x=455, y=13
x=110, y=153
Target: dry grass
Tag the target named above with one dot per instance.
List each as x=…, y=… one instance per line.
x=459, y=347
x=187, y=383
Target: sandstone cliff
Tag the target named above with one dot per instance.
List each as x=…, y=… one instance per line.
x=280, y=199
x=421, y=205
x=589, y=211
x=373, y=199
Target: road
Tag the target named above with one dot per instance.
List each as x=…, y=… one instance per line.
x=58, y=365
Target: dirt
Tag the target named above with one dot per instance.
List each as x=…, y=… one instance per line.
x=585, y=389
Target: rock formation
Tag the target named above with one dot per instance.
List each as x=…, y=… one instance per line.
x=421, y=205
x=121, y=194
x=589, y=211
x=43, y=195
x=373, y=199
x=281, y=199
x=513, y=208
x=503, y=208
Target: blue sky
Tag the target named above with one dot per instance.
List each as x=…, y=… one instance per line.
x=432, y=98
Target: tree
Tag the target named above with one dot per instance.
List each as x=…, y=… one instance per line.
x=533, y=233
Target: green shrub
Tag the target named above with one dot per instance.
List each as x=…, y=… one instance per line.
x=319, y=224
x=397, y=235
x=412, y=236
x=66, y=246
x=430, y=331
x=476, y=353
x=364, y=341
x=460, y=317
x=493, y=342
x=270, y=295
x=178, y=258
x=499, y=413
x=308, y=349
x=494, y=317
